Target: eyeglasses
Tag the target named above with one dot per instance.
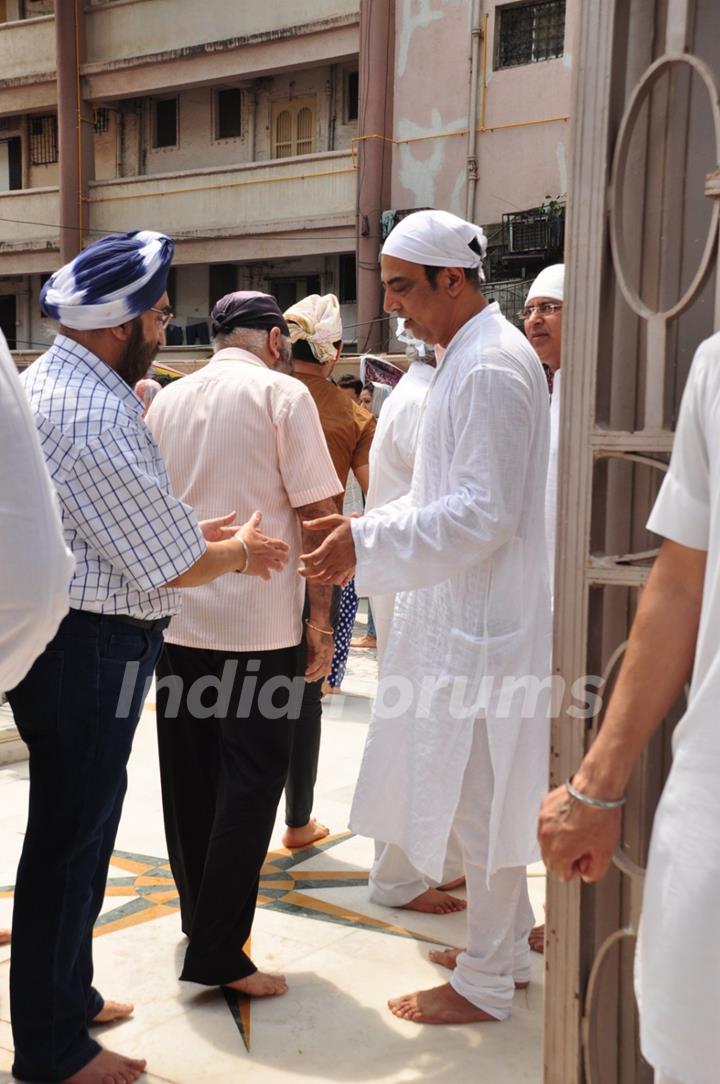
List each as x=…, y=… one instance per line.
x=165, y=312
x=545, y=308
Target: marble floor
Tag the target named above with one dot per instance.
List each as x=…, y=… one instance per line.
x=343, y=956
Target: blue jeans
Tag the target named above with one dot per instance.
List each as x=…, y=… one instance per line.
x=66, y=712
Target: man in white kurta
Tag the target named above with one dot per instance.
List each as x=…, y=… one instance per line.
x=393, y=880
x=676, y=631
x=465, y=552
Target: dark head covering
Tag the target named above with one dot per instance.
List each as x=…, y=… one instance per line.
x=247, y=308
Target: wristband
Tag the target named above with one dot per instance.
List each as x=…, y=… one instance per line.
x=595, y=803
x=316, y=628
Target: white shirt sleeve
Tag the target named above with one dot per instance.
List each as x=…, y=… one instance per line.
x=401, y=547
x=682, y=509
x=35, y=564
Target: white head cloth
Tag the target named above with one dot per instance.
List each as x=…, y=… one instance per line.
x=437, y=239
x=317, y=320
x=550, y=283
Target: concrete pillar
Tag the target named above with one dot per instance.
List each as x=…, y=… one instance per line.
x=375, y=120
x=75, y=132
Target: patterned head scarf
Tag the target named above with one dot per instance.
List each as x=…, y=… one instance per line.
x=110, y=281
x=437, y=239
x=317, y=320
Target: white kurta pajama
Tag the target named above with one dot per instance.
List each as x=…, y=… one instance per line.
x=466, y=551
x=393, y=879
x=678, y=962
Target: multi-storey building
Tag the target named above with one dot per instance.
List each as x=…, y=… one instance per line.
x=267, y=137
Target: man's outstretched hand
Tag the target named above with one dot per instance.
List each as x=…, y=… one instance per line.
x=334, y=560
x=265, y=555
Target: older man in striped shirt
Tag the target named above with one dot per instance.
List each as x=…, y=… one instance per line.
x=134, y=544
x=240, y=433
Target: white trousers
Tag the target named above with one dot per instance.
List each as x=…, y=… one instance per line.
x=394, y=880
x=499, y=915
x=660, y=1078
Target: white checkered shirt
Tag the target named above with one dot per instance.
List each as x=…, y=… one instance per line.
x=128, y=534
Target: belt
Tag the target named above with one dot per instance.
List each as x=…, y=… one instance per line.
x=151, y=625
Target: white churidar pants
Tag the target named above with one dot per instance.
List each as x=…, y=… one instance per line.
x=394, y=880
x=499, y=915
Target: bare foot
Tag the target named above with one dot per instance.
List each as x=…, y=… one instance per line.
x=112, y=1011
x=363, y=641
x=5, y=937
x=459, y=882
x=536, y=940
x=441, y=1005
x=108, y=1068
x=434, y=902
x=260, y=984
x=448, y=958
x=303, y=837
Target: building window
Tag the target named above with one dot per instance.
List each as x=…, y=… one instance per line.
x=348, y=278
x=10, y=164
x=228, y=113
x=43, y=140
x=352, y=92
x=165, y=127
x=101, y=120
x=222, y=280
x=293, y=127
x=527, y=33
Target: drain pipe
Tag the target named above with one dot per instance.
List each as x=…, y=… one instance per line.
x=476, y=35
x=74, y=127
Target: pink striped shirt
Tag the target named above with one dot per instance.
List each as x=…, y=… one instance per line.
x=238, y=435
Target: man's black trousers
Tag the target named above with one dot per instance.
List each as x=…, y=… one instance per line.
x=224, y=736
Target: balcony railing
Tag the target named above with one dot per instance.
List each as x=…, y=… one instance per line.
x=312, y=191
x=227, y=200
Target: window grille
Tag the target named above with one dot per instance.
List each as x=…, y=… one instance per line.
x=294, y=127
x=101, y=120
x=528, y=33
x=304, y=131
x=228, y=113
x=283, y=135
x=43, y=140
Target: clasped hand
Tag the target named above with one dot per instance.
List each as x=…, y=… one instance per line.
x=334, y=559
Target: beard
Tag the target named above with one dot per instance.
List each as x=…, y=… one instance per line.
x=138, y=357
x=285, y=360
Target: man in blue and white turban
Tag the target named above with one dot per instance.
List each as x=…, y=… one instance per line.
x=77, y=708
x=116, y=284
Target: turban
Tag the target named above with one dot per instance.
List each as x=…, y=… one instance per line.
x=110, y=281
x=437, y=239
x=550, y=283
x=247, y=308
x=317, y=320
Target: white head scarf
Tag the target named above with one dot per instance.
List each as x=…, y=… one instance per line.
x=317, y=320
x=437, y=239
x=550, y=283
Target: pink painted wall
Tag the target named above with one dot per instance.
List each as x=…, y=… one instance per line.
x=518, y=166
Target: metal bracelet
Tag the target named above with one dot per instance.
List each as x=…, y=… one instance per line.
x=316, y=628
x=243, y=543
x=595, y=803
